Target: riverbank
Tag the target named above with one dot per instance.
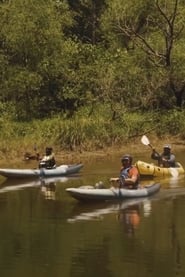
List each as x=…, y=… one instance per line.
x=84, y=137
x=16, y=157
x=134, y=146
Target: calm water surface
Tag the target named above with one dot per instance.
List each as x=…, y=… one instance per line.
x=46, y=233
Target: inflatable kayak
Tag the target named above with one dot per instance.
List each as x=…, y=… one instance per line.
x=62, y=170
x=151, y=170
x=91, y=193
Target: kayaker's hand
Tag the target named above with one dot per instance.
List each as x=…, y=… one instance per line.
x=114, y=179
x=164, y=160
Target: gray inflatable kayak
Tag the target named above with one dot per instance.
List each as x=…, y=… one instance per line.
x=90, y=193
x=62, y=170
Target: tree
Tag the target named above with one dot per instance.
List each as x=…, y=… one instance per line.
x=34, y=48
x=87, y=19
x=157, y=29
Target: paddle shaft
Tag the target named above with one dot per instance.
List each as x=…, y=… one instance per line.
x=150, y=146
x=121, y=182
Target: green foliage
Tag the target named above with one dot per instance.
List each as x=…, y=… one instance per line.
x=90, y=74
x=33, y=43
x=56, y=57
x=154, y=30
x=172, y=123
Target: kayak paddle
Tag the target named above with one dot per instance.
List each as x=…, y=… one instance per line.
x=146, y=141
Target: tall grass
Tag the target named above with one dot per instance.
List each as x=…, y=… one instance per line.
x=85, y=132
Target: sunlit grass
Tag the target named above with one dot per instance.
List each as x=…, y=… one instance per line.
x=86, y=132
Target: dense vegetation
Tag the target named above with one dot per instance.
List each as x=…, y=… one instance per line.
x=88, y=72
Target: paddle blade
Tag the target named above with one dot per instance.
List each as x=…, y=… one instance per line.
x=145, y=140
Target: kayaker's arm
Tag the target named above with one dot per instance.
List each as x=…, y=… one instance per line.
x=171, y=159
x=155, y=155
x=131, y=181
x=47, y=158
x=127, y=181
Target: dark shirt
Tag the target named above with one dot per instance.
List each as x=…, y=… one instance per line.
x=164, y=160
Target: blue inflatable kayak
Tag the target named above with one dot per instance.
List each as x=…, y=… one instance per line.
x=62, y=170
x=91, y=193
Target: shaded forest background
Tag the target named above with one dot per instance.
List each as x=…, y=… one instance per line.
x=83, y=70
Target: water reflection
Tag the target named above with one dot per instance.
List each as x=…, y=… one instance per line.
x=175, y=182
x=49, y=238
x=47, y=185
x=130, y=218
x=97, y=211
x=166, y=182
x=48, y=190
x=147, y=208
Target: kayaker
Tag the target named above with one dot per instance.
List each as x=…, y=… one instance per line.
x=166, y=159
x=48, y=161
x=129, y=174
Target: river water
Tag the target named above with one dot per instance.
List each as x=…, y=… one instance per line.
x=44, y=232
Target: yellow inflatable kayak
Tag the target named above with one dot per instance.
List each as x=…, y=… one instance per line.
x=151, y=170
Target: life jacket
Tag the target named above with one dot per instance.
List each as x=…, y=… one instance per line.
x=48, y=162
x=167, y=163
x=125, y=173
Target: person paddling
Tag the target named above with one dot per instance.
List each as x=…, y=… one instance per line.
x=166, y=159
x=48, y=161
x=129, y=174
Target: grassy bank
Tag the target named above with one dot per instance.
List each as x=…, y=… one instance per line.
x=88, y=135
